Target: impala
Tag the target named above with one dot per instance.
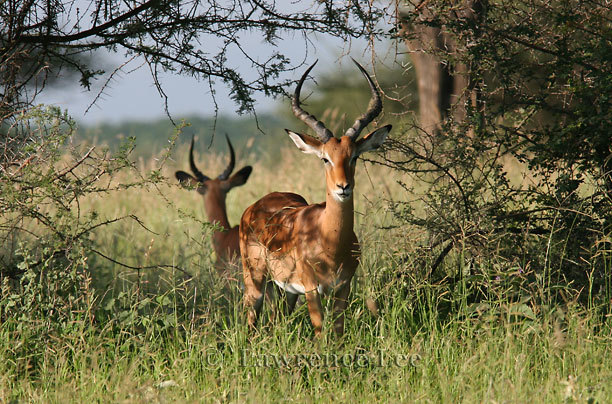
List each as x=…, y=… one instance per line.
x=310, y=249
x=214, y=191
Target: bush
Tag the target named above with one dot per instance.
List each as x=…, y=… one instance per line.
x=524, y=179
x=46, y=233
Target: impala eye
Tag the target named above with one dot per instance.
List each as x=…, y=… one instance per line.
x=326, y=161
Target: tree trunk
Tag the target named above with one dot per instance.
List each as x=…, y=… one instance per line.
x=444, y=89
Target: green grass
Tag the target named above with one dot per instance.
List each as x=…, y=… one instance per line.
x=157, y=335
x=449, y=361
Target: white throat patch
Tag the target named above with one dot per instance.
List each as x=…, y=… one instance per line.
x=341, y=197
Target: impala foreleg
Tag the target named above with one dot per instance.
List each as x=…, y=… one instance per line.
x=341, y=295
x=313, y=299
x=291, y=300
x=315, y=310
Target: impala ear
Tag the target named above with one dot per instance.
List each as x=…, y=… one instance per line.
x=186, y=179
x=240, y=178
x=305, y=143
x=373, y=140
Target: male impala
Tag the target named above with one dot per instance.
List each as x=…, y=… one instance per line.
x=308, y=249
x=214, y=191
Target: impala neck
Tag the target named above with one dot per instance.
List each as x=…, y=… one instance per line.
x=214, y=205
x=337, y=220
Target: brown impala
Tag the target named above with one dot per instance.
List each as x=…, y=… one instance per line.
x=225, y=242
x=309, y=249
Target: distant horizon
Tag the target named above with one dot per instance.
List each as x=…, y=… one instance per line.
x=177, y=117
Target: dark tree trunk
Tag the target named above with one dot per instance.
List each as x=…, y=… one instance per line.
x=445, y=89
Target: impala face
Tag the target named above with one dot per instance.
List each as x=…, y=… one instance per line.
x=214, y=190
x=339, y=157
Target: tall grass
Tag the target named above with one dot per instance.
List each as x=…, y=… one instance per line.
x=178, y=333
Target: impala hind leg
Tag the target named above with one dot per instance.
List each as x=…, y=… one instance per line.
x=254, y=284
x=270, y=298
x=286, y=301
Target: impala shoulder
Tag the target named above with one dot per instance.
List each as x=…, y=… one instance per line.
x=315, y=209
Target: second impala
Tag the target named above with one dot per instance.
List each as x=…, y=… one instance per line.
x=214, y=191
x=310, y=249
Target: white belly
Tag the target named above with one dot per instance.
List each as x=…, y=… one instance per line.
x=295, y=288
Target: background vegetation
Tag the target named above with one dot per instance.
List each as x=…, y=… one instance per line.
x=485, y=237
x=169, y=329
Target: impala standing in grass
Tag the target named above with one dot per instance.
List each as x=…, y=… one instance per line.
x=310, y=249
x=214, y=191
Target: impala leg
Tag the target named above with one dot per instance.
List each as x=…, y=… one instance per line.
x=315, y=310
x=340, y=302
x=254, y=283
x=285, y=301
x=270, y=298
x=253, y=301
x=291, y=300
x=312, y=296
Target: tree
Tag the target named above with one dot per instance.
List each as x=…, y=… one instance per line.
x=444, y=83
x=44, y=179
x=543, y=75
x=39, y=38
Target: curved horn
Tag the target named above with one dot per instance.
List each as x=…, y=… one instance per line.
x=374, y=107
x=199, y=176
x=322, y=132
x=225, y=175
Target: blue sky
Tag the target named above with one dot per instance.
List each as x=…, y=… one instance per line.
x=132, y=95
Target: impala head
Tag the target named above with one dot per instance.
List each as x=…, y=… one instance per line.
x=339, y=155
x=217, y=188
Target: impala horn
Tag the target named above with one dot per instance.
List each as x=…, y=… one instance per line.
x=374, y=107
x=199, y=176
x=319, y=128
x=225, y=174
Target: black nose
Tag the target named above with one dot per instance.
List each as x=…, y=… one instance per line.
x=344, y=187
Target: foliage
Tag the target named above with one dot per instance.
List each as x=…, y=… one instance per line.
x=539, y=102
x=40, y=38
x=47, y=231
x=478, y=284
x=157, y=335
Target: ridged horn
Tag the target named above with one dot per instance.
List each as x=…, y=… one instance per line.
x=374, y=107
x=319, y=128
